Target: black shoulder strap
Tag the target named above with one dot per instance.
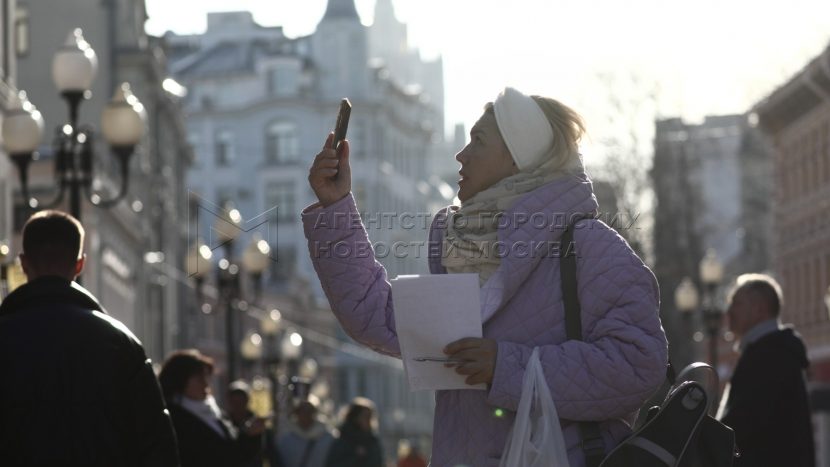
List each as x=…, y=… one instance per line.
x=570, y=296
x=592, y=444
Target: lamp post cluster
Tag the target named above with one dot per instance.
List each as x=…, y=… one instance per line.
x=74, y=67
x=271, y=346
x=254, y=261
x=277, y=349
x=687, y=300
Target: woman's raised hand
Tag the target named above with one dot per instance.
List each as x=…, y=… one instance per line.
x=330, y=175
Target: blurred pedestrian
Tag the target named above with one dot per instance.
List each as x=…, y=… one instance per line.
x=307, y=440
x=206, y=437
x=766, y=400
x=238, y=400
x=522, y=185
x=77, y=388
x=357, y=445
x=239, y=397
x=413, y=458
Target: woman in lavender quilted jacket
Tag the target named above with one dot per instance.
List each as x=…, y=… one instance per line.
x=521, y=179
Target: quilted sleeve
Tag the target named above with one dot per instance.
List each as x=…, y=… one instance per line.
x=353, y=281
x=623, y=357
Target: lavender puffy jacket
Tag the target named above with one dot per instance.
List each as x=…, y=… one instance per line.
x=607, y=377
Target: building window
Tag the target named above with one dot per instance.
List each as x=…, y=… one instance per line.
x=224, y=149
x=281, y=81
x=21, y=30
x=281, y=143
x=281, y=196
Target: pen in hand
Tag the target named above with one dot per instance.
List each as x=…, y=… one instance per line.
x=437, y=359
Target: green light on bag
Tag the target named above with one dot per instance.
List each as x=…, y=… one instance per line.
x=498, y=413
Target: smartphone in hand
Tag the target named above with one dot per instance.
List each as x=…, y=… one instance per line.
x=342, y=122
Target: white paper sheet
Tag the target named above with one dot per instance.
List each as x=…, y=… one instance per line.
x=432, y=311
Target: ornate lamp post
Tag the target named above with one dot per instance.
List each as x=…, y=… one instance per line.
x=198, y=263
x=269, y=326
x=711, y=275
x=255, y=260
x=274, y=347
x=686, y=297
x=227, y=280
x=251, y=347
x=687, y=300
x=251, y=350
x=122, y=122
x=291, y=349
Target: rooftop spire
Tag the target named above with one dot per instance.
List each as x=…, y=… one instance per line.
x=341, y=9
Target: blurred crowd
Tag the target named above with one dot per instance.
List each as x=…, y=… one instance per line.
x=209, y=435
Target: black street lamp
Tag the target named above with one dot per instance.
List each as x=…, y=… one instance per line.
x=687, y=300
x=254, y=261
x=711, y=275
x=122, y=123
x=227, y=281
x=272, y=346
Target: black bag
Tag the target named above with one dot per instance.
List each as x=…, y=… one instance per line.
x=678, y=433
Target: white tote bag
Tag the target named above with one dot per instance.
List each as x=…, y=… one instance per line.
x=536, y=437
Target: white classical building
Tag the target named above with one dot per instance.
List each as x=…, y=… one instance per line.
x=259, y=107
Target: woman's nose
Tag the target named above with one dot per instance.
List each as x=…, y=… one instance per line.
x=461, y=156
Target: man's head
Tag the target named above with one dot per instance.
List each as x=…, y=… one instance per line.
x=306, y=413
x=52, y=245
x=754, y=299
x=239, y=395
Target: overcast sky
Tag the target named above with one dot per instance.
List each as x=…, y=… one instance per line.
x=705, y=56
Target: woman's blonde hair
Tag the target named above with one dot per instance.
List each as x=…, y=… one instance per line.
x=568, y=126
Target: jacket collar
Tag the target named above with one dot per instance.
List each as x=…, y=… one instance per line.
x=757, y=332
x=49, y=290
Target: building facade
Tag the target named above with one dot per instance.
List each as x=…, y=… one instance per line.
x=132, y=290
x=259, y=107
x=796, y=116
x=711, y=183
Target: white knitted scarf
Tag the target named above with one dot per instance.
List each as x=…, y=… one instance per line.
x=470, y=244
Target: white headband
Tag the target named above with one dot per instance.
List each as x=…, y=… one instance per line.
x=524, y=128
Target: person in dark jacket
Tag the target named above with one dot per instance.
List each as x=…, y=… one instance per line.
x=766, y=401
x=238, y=399
x=206, y=437
x=77, y=388
x=357, y=445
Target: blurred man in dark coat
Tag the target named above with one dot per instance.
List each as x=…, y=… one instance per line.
x=766, y=401
x=77, y=386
